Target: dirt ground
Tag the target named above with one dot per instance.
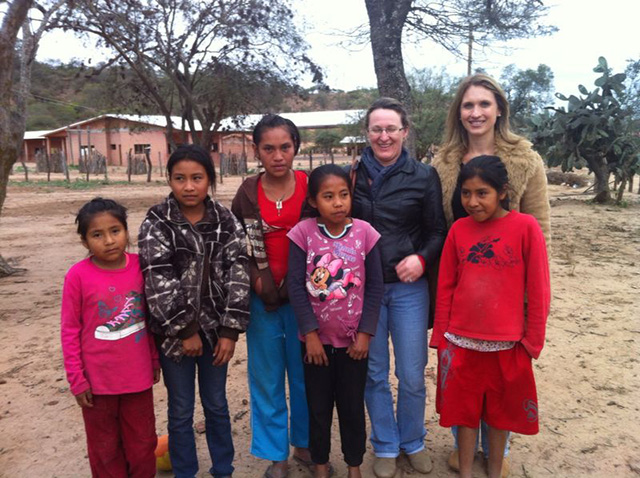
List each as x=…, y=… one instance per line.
x=587, y=374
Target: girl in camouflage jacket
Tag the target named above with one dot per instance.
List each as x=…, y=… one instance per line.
x=193, y=257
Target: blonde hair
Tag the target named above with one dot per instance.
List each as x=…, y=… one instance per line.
x=455, y=136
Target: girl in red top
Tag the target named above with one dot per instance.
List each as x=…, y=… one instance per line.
x=268, y=205
x=485, y=341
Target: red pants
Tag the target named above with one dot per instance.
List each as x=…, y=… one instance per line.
x=121, y=435
x=497, y=387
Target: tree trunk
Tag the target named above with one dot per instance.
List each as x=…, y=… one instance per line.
x=620, y=194
x=601, y=173
x=147, y=155
x=386, y=21
x=11, y=122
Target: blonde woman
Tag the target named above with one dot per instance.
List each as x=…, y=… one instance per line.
x=478, y=124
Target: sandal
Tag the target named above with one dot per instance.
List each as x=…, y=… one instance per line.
x=273, y=472
x=308, y=464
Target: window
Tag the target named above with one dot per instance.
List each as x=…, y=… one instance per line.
x=113, y=147
x=84, y=150
x=141, y=148
x=214, y=147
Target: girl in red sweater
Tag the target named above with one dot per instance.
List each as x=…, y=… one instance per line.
x=485, y=340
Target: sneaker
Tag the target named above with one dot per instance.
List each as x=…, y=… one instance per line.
x=454, y=460
x=384, y=467
x=127, y=322
x=421, y=462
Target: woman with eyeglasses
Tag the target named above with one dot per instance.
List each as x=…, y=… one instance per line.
x=401, y=198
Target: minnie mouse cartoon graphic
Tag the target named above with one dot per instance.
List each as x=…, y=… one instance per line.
x=328, y=280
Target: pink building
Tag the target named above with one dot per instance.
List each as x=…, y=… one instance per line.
x=115, y=135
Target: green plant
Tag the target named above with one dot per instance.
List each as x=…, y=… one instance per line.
x=595, y=130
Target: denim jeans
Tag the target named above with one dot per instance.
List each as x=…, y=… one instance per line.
x=179, y=378
x=404, y=316
x=483, y=436
x=273, y=350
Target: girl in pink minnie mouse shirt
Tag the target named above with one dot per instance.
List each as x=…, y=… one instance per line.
x=335, y=288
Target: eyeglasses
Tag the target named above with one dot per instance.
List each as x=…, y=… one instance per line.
x=390, y=130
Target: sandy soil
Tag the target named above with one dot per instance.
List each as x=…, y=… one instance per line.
x=587, y=375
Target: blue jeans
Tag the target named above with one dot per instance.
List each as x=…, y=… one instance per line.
x=404, y=316
x=273, y=350
x=483, y=435
x=179, y=378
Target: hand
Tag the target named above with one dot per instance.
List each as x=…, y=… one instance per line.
x=192, y=346
x=315, y=350
x=360, y=348
x=257, y=285
x=156, y=375
x=224, y=351
x=85, y=399
x=410, y=268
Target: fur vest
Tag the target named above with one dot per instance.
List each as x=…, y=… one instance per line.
x=527, y=181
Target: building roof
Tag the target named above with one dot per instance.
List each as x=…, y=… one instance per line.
x=151, y=120
x=353, y=140
x=313, y=119
x=36, y=134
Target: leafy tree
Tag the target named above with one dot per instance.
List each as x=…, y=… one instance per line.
x=448, y=23
x=198, y=47
x=326, y=140
x=528, y=91
x=431, y=94
x=595, y=130
x=14, y=88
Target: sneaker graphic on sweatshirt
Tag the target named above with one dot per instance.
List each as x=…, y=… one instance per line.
x=128, y=321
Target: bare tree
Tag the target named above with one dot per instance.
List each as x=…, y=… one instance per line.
x=453, y=24
x=191, y=44
x=14, y=90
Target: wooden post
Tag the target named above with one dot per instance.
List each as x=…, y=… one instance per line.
x=65, y=166
x=70, y=144
x=120, y=153
x=47, y=159
x=147, y=155
x=129, y=161
x=23, y=157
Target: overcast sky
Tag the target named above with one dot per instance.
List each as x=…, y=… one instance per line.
x=587, y=29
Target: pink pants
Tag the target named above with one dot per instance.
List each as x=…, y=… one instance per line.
x=121, y=435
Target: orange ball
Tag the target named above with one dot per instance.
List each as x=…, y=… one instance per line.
x=163, y=445
x=163, y=462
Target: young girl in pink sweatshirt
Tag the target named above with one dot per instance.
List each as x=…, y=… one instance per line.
x=110, y=358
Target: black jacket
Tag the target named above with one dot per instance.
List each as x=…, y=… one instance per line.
x=407, y=212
